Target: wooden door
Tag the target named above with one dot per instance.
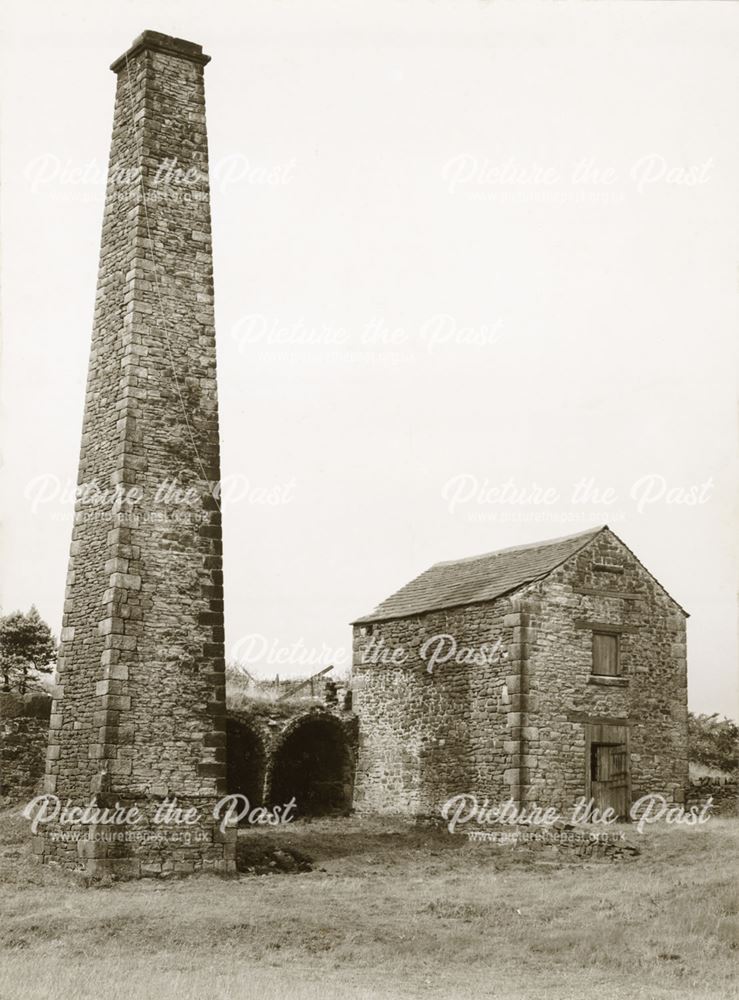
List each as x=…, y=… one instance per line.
x=609, y=777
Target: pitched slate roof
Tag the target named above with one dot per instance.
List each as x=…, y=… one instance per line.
x=479, y=578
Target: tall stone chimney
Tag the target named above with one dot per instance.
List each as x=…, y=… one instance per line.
x=139, y=714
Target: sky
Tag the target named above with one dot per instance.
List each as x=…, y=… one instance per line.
x=476, y=286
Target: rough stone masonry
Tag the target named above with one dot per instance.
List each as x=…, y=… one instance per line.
x=139, y=713
x=530, y=711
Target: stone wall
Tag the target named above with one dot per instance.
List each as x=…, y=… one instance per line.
x=650, y=697
x=255, y=740
x=723, y=790
x=425, y=735
x=24, y=727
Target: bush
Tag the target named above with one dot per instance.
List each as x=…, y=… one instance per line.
x=713, y=742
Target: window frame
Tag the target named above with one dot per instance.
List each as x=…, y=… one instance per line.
x=610, y=634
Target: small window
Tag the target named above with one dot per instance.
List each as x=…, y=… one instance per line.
x=606, y=655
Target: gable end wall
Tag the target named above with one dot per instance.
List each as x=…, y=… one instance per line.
x=652, y=696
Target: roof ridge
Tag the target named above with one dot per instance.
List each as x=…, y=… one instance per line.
x=480, y=578
x=521, y=548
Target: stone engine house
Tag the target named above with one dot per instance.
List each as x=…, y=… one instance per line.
x=540, y=673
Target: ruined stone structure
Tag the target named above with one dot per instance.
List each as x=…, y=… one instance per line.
x=139, y=713
x=562, y=674
x=307, y=754
x=24, y=725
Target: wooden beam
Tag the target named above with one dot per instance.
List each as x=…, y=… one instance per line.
x=597, y=720
x=614, y=629
x=599, y=592
x=309, y=680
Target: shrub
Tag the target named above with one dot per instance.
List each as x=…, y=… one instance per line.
x=713, y=741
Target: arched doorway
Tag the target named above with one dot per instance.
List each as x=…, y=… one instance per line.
x=245, y=762
x=314, y=765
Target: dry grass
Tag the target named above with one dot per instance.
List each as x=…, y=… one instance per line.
x=390, y=911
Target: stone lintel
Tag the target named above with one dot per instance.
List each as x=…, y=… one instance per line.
x=623, y=595
x=609, y=627
x=598, y=720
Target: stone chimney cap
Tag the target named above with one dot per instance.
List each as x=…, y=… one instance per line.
x=157, y=42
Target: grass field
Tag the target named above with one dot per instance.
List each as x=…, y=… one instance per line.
x=390, y=910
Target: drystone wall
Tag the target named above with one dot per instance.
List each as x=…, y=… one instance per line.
x=24, y=727
x=723, y=791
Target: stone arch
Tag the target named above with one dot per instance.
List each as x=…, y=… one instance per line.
x=246, y=761
x=313, y=762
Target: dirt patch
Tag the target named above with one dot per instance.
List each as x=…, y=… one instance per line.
x=255, y=857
